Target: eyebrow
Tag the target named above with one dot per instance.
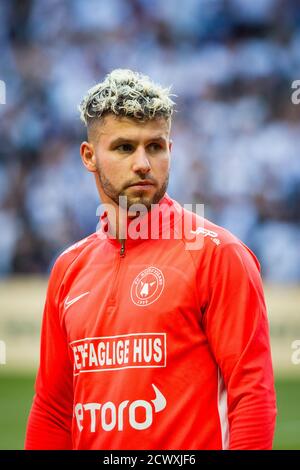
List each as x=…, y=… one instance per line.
x=122, y=140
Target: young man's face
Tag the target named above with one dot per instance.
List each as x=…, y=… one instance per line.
x=129, y=158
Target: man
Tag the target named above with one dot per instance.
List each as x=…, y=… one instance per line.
x=150, y=340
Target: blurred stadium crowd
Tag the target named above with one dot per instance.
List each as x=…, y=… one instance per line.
x=236, y=132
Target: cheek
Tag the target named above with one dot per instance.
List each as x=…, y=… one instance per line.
x=161, y=167
x=107, y=167
x=114, y=172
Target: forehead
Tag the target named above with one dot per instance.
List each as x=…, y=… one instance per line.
x=112, y=127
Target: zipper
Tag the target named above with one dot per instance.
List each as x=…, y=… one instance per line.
x=122, y=249
x=111, y=300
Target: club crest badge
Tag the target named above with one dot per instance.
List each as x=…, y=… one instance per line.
x=147, y=286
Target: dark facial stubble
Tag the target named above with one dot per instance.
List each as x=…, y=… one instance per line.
x=113, y=193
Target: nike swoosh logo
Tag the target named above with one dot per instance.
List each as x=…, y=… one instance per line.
x=68, y=302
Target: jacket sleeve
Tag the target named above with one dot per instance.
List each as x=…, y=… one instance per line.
x=237, y=329
x=49, y=423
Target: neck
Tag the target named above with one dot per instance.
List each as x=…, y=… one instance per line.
x=118, y=220
x=120, y=224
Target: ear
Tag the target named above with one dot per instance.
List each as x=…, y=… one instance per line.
x=170, y=145
x=88, y=156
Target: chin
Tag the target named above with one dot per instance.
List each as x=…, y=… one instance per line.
x=140, y=197
x=144, y=200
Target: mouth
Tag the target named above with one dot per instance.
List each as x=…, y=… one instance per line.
x=144, y=184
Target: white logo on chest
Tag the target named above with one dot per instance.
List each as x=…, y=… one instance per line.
x=147, y=287
x=68, y=302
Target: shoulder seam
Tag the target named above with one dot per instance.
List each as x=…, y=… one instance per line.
x=74, y=259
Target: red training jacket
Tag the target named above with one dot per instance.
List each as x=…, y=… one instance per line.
x=161, y=343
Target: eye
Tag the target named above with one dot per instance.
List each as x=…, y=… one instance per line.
x=125, y=148
x=154, y=147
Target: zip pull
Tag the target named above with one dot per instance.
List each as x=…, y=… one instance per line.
x=122, y=249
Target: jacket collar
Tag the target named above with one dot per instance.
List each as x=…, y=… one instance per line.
x=156, y=224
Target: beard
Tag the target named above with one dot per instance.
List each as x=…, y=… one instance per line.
x=126, y=200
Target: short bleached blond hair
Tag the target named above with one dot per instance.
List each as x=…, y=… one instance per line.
x=127, y=93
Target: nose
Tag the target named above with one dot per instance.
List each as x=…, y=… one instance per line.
x=140, y=162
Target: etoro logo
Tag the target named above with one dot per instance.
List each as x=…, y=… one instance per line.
x=138, y=413
x=147, y=287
